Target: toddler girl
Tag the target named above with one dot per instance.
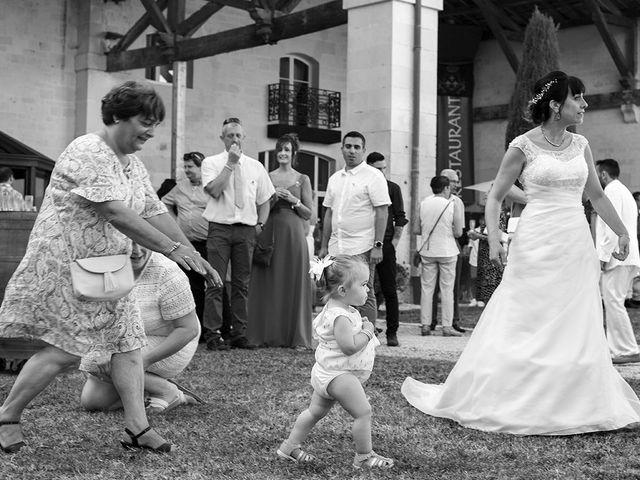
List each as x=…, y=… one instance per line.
x=344, y=360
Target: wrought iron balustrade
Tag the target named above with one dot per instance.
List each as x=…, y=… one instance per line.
x=296, y=104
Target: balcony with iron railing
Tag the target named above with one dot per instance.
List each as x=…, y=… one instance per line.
x=312, y=113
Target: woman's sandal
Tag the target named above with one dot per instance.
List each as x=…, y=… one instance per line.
x=297, y=455
x=187, y=391
x=134, y=444
x=16, y=446
x=373, y=460
x=158, y=405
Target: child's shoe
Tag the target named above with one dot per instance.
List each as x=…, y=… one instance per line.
x=296, y=454
x=372, y=460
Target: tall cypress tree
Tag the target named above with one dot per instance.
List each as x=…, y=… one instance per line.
x=540, y=54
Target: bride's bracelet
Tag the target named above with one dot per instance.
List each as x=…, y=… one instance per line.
x=623, y=235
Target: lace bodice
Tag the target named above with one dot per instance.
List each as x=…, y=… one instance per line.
x=563, y=169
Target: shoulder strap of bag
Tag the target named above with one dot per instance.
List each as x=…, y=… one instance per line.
x=434, y=225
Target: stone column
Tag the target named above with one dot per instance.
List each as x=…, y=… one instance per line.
x=92, y=81
x=379, y=96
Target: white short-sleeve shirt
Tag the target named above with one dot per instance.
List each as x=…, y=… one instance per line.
x=258, y=189
x=352, y=196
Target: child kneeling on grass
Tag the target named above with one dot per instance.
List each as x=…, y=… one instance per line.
x=344, y=360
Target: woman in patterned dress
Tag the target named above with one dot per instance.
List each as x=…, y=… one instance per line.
x=99, y=199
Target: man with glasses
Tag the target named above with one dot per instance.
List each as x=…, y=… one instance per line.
x=239, y=190
x=454, y=182
x=190, y=200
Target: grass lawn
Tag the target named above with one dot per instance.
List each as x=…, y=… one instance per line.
x=253, y=398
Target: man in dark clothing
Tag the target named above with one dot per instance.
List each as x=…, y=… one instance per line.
x=387, y=267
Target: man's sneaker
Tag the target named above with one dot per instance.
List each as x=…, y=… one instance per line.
x=392, y=340
x=450, y=332
x=425, y=330
x=216, y=343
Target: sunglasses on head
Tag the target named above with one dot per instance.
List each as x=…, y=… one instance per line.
x=193, y=156
x=231, y=120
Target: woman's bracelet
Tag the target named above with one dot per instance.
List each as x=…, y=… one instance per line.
x=368, y=334
x=173, y=248
x=624, y=235
x=226, y=165
x=297, y=204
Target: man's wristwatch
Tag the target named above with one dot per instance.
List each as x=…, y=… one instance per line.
x=261, y=225
x=377, y=244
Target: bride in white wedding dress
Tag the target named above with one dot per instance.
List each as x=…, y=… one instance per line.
x=537, y=362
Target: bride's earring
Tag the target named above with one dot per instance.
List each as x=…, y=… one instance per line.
x=557, y=116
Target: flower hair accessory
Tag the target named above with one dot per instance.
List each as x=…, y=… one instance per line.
x=542, y=93
x=318, y=265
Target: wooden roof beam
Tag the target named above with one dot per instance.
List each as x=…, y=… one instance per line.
x=610, y=7
x=192, y=24
x=157, y=18
x=286, y=6
x=502, y=17
x=240, y=4
x=138, y=28
x=486, y=9
x=620, y=21
x=315, y=19
x=624, y=67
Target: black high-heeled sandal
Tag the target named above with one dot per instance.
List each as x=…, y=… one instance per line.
x=134, y=444
x=14, y=447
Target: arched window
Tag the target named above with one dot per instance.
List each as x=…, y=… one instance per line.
x=316, y=166
x=298, y=75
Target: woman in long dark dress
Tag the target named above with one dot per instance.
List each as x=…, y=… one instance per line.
x=280, y=294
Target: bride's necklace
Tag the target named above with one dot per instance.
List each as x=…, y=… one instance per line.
x=557, y=145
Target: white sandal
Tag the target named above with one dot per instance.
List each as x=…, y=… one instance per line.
x=297, y=455
x=372, y=460
x=159, y=405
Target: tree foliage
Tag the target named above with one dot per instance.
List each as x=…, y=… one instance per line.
x=540, y=53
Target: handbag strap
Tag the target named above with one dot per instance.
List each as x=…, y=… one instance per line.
x=434, y=225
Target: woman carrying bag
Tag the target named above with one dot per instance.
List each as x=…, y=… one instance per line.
x=99, y=199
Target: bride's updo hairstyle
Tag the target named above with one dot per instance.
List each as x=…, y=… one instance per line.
x=553, y=86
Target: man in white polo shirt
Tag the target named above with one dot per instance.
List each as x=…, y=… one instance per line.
x=239, y=189
x=355, y=219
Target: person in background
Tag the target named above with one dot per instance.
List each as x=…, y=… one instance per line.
x=172, y=329
x=99, y=200
x=473, y=262
x=10, y=198
x=454, y=180
x=165, y=187
x=617, y=275
x=441, y=222
x=280, y=294
x=355, y=218
x=238, y=207
x=190, y=200
x=387, y=269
